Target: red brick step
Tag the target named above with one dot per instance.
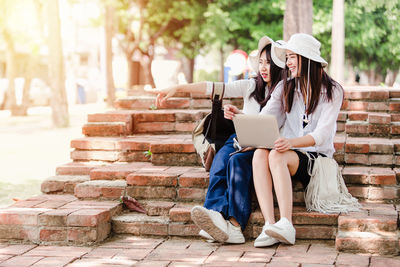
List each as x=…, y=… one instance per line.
x=57, y=219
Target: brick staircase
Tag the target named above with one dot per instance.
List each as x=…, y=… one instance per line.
x=149, y=155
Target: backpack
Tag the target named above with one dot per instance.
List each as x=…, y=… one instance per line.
x=211, y=133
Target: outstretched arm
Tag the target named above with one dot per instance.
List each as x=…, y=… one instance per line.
x=164, y=93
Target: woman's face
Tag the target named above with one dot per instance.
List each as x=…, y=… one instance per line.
x=264, y=66
x=293, y=63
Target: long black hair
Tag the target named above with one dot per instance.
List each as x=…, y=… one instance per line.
x=318, y=78
x=275, y=73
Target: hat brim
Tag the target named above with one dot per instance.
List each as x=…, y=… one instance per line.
x=280, y=51
x=253, y=59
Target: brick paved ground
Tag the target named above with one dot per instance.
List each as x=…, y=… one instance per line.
x=143, y=251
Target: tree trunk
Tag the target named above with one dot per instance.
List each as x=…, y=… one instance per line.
x=149, y=76
x=109, y=24
x=150, y=57
x=191, y=70
x=298, y=17
x=221, y=64
x=59, y=103
x=337, y=53
x=131, y=79
x=10, y=100
x=374, y=77
x=391, y=77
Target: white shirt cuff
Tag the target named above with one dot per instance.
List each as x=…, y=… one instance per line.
x=318, y=141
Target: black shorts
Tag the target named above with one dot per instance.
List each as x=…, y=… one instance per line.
x=302, y=172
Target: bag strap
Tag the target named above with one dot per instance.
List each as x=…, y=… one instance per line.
x=218, y=94
x=218, y=91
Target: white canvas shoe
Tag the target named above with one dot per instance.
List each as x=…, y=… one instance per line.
x=210, y=221
x=283, y=230
x=235, y=234
x=205, y=235
x=264, y=240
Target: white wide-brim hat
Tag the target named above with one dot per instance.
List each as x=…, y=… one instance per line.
x=302, y=44
x=255, y=57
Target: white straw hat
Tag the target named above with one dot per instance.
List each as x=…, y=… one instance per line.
x=302, y=44
x=254, y=58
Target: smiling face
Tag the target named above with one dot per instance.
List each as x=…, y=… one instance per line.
x=293, y=64
x=264, y=66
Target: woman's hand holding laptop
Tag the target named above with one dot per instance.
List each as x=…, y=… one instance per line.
x=282, y=144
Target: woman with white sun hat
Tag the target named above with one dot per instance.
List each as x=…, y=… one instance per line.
x=306, y=103
x=227, y=206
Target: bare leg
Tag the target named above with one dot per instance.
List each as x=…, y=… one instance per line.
x=283, y=165
x=263, y=184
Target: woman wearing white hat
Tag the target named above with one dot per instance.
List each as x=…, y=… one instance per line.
x=228, y=202
x=306, y=103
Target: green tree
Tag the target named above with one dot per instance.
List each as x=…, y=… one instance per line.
x=372, y=37
x=145, y=23
x=20, y=31
x=241, y=24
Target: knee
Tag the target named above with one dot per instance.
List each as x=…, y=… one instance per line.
x=260, y=158
x=276, y=158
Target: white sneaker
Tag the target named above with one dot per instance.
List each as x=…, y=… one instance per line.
x=210, y=221
x=205, y=235
x=283, y=230
x=264, y=240
x=235, y=234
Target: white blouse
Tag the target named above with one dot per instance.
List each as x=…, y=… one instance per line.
x=241, y=88
x=322, y=122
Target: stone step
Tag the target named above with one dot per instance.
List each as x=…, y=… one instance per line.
x=106, y=129
x=309, y=225
x=363, y=128
x=128, y=122
x=371, y=99
x=388, y=106
x=370, y=93
x=380, y=118
x=372, y=152
x=152, y=182
x=379, y=194
x=62, y=184
x=158, y=149
x=362, y=175
x=58, y=219
x=140, y=173
x=179, y=150
x=372, y=218
x=77, y=168
x=148, y=102
x=381, y=243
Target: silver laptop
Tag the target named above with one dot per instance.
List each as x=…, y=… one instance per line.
x=256, y=130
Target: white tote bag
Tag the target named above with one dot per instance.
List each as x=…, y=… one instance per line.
x=327, y=192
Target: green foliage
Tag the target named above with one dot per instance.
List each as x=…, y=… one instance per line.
x=322, y=26
x=373, y=34
x=242, y=23
x=203, y=75
x=171, y=23
x=148, y=154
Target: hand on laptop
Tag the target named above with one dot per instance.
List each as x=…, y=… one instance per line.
x=282, y=144
x=230, y=111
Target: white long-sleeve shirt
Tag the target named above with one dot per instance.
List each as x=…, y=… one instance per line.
x=322, y=122
x=241, y=88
